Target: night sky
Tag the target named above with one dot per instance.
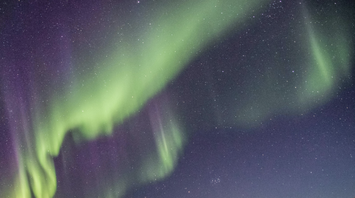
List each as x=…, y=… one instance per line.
x=177, y=98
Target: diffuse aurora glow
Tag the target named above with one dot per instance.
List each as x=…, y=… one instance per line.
x=131, y=75
x=323, y=63
x=330, y=58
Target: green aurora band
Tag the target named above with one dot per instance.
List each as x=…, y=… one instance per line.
x=127, y=79
x=136, y=72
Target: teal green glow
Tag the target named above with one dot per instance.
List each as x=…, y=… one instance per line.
x=128, y=77
x=330, y=60
x=322, y=64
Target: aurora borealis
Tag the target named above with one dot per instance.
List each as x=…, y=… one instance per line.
x=107, y=98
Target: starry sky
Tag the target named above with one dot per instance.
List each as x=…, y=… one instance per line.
x=167, y=98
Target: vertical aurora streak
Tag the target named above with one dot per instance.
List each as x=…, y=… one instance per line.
x=330, y=60
x=315, y=70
